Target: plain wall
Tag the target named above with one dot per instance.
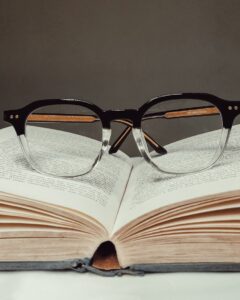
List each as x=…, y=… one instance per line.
x=117, y=54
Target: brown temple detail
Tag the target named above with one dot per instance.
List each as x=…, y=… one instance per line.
x=60, y=118
x=192, y=112
x=122, y=137
x=127, y=131
x=150, y=140
x=198, y=111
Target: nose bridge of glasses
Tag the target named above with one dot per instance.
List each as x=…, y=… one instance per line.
x=131, y=119
x=128, y=115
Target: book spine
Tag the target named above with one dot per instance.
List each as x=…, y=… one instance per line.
x=77, y=265
x=85, y=266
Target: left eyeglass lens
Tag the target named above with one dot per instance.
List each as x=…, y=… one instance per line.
x=63, y=140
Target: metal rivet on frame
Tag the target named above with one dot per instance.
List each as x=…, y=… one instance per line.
x=236, y=107
x=17, y=116
x=229, y=107
x=11, y=116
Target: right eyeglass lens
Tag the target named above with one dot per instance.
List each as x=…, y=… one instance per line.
x=190, y=130
x=63, y=140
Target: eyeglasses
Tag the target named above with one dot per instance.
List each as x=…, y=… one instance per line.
x=176, y=134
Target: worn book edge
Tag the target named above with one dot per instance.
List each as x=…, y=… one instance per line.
x=84, y=265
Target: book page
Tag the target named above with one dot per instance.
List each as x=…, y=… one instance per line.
x=97, y=194
x=149, y=189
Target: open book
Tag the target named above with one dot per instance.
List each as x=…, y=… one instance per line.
x=124, y=216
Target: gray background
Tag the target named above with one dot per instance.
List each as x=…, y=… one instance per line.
x=117, y=54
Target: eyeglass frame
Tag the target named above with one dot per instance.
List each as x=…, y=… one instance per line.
x=228, y=109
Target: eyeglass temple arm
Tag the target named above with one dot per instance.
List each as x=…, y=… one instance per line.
x=41, y=117
x=183, y=113
x=120, y=140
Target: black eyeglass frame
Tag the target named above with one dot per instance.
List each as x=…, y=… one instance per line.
x=228, y=109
